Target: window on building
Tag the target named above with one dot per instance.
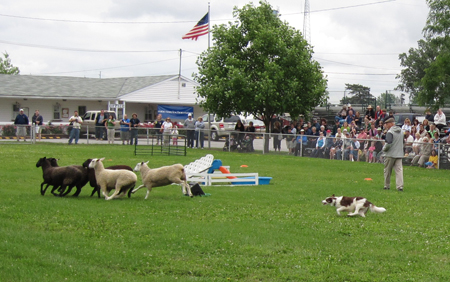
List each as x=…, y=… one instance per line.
x=81, y=110
x=57, y=111
x=148, y=114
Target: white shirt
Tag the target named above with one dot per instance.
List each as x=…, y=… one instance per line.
x=167, y=125
x=440, y=119
x=76, y=121
x=406, y=127
x=409, y=140
x=417, y=142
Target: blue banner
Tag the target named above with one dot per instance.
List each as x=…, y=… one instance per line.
x=175, y=112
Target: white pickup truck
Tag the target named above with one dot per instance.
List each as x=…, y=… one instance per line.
x=89, y=121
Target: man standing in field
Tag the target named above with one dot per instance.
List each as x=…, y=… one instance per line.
x=21, y=123
x=37, y=120
x=393, y=150
x=76, y=121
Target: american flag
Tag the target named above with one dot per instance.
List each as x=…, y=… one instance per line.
x=201, y=28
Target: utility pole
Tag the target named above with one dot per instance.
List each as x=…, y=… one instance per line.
x=385, y=100
x=306, y=23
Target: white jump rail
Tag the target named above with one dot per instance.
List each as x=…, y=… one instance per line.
x=209, y=178
x=200, y=165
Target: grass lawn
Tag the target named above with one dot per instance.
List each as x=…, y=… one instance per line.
x=276, y=232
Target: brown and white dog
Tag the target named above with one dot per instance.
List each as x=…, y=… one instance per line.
x=354, y=205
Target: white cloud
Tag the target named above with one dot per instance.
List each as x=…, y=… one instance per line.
x=360, y=39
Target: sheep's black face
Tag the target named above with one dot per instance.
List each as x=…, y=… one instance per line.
x=53, y=161
x=40, y=162
x=86, y=163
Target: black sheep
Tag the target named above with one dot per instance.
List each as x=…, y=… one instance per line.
x=81, y=183
x=62, y=177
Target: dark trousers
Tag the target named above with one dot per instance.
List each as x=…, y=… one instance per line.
x=190, y=138
x=100, y=132
x=159, y=136
x=134, y=136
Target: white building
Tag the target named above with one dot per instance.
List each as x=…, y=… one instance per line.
x=57, y=97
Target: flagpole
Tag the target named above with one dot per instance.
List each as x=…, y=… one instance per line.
x=209, y=40
x=209, y=25
x=179, y=74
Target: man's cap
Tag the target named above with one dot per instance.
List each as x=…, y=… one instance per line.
x=369, y=107
x=302, y=130
x=389, y=120
x=305, y=125
x=379, y=128
x=21, y=110
x=189, y=115
x=345, y=129
x=328, y=131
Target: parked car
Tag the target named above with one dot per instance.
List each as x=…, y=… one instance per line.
x=220, y=127
x=258, y=124
x=400, y=118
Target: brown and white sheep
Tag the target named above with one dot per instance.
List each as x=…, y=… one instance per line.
x=162, y=176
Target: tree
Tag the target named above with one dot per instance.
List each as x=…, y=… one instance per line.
x=357, y=94
x=427, y=69
x=6, y=67
x=415, y=63
x=261, y=66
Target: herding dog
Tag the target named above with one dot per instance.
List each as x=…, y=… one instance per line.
x=355, y=205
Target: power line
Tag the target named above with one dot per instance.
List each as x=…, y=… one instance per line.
x=176, y=22
x=360, y=73
x=341, y=8
x=83, y=50
x=116, y=67
x=92, y=22
x=347, y=64
x=360, y=54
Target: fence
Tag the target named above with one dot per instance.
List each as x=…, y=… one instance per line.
x=174, y=144
x=147, y=137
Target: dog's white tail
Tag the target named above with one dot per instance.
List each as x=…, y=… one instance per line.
x=376, y=209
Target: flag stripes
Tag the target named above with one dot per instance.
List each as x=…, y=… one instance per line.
x=201, y=28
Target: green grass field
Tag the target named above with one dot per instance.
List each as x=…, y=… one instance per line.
x=276, y=232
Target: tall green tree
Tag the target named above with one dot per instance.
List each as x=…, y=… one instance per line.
x=357, y=94
x=6, y=67
x=415, y=63
x=427, y=68
x=261, y=66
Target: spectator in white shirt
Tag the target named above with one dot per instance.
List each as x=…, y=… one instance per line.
x=439, y=119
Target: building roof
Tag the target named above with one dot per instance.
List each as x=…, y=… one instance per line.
x=50, y=87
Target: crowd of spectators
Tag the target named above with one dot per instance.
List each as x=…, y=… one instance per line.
x=357, y=137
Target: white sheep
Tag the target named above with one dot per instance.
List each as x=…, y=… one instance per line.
x=121, y=180
x=162, y=176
